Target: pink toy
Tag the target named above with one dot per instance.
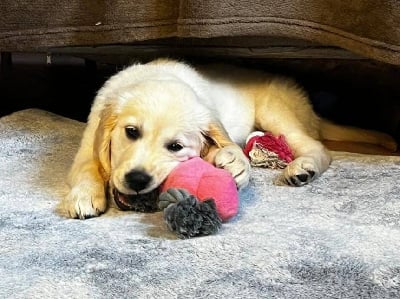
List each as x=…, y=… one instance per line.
x=267, y=150
x=205, y=181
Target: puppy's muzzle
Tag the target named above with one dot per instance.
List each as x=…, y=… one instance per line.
x=137, y=180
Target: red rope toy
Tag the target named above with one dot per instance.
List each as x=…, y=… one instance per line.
x=267, y=150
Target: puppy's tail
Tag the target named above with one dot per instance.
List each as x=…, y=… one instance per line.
x=334, y=132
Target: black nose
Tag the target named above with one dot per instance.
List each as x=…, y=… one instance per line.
x=137, y=180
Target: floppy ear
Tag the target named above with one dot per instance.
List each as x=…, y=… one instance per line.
x=216, y=138
x=102, y=142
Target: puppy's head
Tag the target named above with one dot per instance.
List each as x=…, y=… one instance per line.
x=144, y=133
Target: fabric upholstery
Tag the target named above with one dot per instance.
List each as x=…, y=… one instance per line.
x=367, y=27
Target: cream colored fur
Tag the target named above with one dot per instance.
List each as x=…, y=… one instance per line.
x=209, y=112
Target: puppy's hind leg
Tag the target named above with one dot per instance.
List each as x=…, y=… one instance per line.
x=294, y=118
x=311, y=159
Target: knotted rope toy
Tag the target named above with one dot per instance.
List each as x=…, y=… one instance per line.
x=187, y=216
x=197, y=197
x=266, y=150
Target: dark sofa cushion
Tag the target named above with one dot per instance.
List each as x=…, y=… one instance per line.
x=367, y=27
x=42, y=24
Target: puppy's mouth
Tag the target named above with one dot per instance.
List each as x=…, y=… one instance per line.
x=139, y=202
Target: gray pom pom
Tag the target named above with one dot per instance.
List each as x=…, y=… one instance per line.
x=187, y=216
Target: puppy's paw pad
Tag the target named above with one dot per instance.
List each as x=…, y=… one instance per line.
x=300, y=172
x=301, y=179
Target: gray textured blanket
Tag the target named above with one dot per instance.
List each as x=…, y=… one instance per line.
x=336, y=238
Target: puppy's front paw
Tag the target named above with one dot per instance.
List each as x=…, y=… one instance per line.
x=83, y=201
x=232, y=159
x=300, y=172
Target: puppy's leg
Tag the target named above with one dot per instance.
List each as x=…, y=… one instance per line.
x=86, y=197
x=232, y=159
x=226, y=154
x=311, y=157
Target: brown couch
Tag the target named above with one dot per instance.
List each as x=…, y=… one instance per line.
x=366, y=28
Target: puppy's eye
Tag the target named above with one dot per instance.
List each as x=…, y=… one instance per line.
x=174, y=147
x=132, y=132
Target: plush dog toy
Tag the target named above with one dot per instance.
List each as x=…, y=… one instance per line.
x=197, y=197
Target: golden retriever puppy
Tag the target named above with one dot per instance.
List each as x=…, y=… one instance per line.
x=149, y=117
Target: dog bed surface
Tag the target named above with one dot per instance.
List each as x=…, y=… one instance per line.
x=338, y=237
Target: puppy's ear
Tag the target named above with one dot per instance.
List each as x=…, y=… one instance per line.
x=102, y=141
x=216, y=138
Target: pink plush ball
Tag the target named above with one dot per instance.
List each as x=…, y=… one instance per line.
x=205, y=181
